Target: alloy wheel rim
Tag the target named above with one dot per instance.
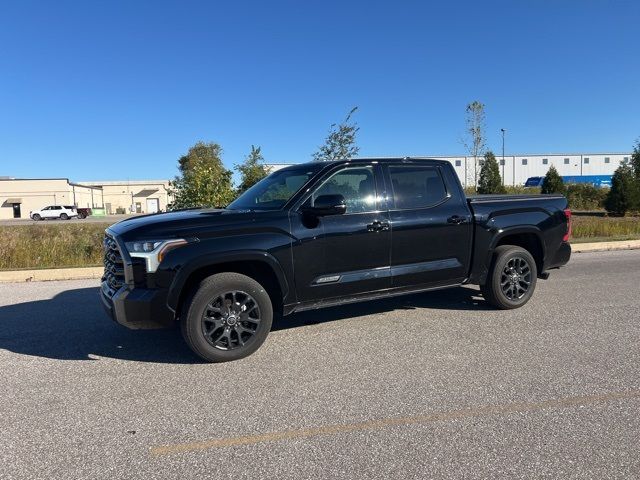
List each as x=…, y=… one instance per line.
x=515, y=279
x=230, y=320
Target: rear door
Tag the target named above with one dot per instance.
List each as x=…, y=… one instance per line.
x=431, y=226
x=348, y=254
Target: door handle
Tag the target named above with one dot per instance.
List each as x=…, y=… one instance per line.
x=377, y=226
x=456, y=219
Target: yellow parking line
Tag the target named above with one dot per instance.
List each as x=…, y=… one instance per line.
x=390, y=422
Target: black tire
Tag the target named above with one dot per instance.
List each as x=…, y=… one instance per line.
x=512, y=278
x=64, y=216
x=204, y=320
x=81, y=216
x=36, y=217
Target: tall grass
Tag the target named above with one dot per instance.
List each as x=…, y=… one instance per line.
x=80, y=245
x=51, y=246
x=590, y=228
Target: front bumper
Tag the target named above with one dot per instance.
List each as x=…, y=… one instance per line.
x=137, y=308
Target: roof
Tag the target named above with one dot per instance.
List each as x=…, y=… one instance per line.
x=145, y=192
x=124, y=182
x=11, y=179
x=369, y=160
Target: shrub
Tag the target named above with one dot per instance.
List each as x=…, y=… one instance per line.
x=622, y=196
x=585, y=196
x=490, y=180
x=552, y=182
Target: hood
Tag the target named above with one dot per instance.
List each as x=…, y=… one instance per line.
x=186, y=223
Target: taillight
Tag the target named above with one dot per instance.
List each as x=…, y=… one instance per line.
x=567, y=213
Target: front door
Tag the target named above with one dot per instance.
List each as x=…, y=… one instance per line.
x=348, y=254
x=431, y=227
x=50, y=212
x=16, y=210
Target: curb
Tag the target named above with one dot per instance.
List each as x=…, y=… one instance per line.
x=51, y=274
x=81, y=273
x=605, y=246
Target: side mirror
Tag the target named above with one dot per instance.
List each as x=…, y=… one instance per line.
x=327, y=205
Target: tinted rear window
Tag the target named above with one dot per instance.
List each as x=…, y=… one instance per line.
x=416, y=186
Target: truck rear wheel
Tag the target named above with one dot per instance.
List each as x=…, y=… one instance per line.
x=228, y=317
x=512, y=278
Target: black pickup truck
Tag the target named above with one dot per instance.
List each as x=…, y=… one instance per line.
x=321, y=234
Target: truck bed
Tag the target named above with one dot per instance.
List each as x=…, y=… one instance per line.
x=506, y=198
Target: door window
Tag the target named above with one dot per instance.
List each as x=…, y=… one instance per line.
x=356, y=185
x=416, y=186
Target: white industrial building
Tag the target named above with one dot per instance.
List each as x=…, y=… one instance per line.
x=516, y=169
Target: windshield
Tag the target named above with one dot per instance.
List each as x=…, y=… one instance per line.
x=273, y=191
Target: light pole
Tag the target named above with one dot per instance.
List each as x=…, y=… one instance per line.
x=502, y=130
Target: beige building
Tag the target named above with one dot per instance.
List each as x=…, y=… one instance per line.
x=20, y=196
x=134, y=196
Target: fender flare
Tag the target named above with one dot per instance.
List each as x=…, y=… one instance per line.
x=515, y=230
x=213, y=259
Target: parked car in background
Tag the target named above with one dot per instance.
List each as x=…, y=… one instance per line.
x=82, y=212
x=61, y=212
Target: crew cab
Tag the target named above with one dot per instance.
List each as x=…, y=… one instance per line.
x=325, y=233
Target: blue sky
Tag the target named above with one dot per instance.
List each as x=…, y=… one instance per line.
x=113, y=90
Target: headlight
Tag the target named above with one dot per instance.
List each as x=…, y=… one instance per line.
x=143, y=247
x=153, y=251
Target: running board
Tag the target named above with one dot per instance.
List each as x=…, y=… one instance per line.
x=332, y=302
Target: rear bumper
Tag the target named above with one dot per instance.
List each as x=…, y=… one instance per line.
x=561, y=257
x=138, y=308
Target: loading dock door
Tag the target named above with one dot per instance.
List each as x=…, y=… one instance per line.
x=153, y=205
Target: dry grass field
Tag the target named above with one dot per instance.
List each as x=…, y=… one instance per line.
x=80, y=245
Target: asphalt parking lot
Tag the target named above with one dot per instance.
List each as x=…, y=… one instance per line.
x=435, y=385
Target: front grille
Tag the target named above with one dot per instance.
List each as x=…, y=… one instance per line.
x=113, y=277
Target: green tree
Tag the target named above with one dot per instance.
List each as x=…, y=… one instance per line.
x=475, y=142
x=203, y=180
x=252, y=170
x=635, y=160
x=552, y=182
x=635, y=165
x=341, y=141
x=490, y=180
x=621, y=197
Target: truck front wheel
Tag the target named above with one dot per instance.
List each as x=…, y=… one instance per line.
x=512, y=278
x=228, y=317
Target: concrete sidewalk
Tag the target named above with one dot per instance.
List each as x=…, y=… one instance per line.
x=96, y=272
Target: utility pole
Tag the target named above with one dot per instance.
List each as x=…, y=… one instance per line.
x=502, y=130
